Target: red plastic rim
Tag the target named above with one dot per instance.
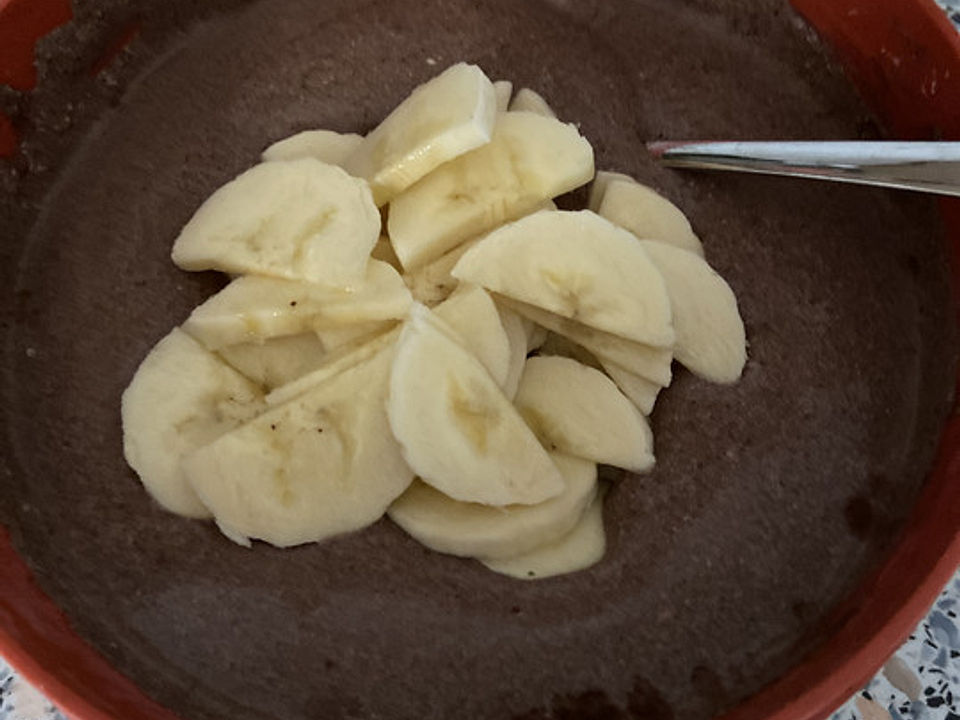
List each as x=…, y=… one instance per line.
x=905, y=57
x=22, y=24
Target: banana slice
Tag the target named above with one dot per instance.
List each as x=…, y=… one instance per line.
x=276, y=361
x=301, y=220
x=577, y=410
x=578, y=266
x=711, y=340
x=181, y=397
x=583, y=547
x=642, y=392
x=458, y=431
x=516, y=331
x=530, y=159
x=474, y=530
x=321, y=465
x=647, y=214
x=253, y=308
x=472, y=315
x=334, y=363
x=527, y=100
x=445, y=117
x=323, y=145
x=652, y=363
x=503, y=89
x=599, y=186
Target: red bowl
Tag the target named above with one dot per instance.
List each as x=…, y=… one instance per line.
x=905, y=58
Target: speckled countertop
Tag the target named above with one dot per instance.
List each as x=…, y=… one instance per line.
x=920, y=682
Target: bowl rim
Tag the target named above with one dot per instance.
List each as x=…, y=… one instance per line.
x=37, y=639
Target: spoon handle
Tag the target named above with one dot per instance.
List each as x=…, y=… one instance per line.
x=932, y=167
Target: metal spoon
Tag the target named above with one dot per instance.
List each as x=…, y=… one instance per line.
x=932, y=167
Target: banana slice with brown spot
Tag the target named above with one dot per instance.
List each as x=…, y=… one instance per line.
x=320, y=465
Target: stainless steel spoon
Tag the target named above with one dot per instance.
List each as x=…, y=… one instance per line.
x=932, y=167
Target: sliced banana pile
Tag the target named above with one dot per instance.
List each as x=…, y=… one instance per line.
x=415, y=330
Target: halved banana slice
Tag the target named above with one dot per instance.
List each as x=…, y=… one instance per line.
x=578, y=266
x=253, y=308
x=503, y=89
x=527, y=100
x=647, y=214
x=474, y=530
x=577, y=410
x=181, y=398
x=334, y=363
x=474, y=317
x=459, y=432
x=642, y=392
x=581, y=548
x=446, y=116
x=321, y=465
x=530, y=159
x=653, y=363
x=276, y=361
x=323, y=145
x=516, y=331
x=599, y=186
x=711, y=340
x=300, y=219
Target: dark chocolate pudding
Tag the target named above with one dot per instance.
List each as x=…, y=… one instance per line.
x=771, y=498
